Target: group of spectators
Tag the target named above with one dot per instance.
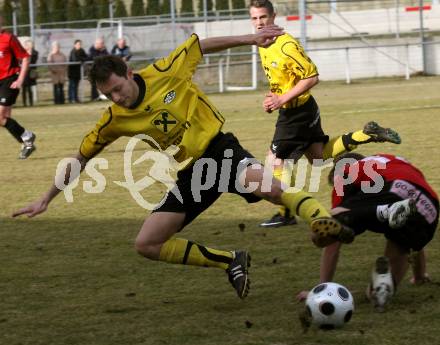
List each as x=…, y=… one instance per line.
x=60, y=70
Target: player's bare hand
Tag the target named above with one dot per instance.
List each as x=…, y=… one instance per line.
x=421, y=280
x=302, y=296
x=267, y=35
x=32, y=209
x=16, y=84
x=266, y=108
x=272, y=102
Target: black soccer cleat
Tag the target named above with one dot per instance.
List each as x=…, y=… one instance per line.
x=327, y=226
x=238, y=273
x=379, y=134
x=27, y=147
x=278, y=220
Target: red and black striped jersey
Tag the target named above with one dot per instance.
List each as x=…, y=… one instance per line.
x=389, y=167
x=11, y=52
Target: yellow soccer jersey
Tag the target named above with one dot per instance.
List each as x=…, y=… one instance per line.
x=170, y=109
x=285, y=63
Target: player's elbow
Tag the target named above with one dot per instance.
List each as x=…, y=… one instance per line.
x=315, y=80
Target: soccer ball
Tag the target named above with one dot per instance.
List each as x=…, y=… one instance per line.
x=329, y=305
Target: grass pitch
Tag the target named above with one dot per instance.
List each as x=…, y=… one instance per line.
x=71, y=276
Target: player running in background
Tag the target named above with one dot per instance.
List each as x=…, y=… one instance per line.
x=162, y=102
x=291, y=75
x=12, y=76
x=404, y=208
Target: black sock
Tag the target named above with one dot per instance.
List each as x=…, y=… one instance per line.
x=14, y=128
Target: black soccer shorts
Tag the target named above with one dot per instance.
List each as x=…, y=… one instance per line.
x=8, y=96
x=415, y=234
x=296, y=129
x=223, y=152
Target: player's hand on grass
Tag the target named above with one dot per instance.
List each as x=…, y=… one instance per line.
x=420, y=280
x=32, y=209
x=302, y=296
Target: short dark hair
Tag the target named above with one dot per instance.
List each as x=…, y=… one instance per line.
x=348, y=155
x=104, y=66
x=262, y=4
x=76, y=41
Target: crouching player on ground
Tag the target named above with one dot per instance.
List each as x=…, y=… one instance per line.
x=388, y=195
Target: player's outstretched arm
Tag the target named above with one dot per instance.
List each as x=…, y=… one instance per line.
x=327, y=269
x=329, y=261
x=263, y=38
x=65, y=176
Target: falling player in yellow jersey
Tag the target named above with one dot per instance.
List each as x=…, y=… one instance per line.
x=291, y=75
x=162, y=102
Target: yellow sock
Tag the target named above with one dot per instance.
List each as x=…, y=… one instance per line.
x=360, y=137
x=285, y=178
x=303, y=205
x=345, y=143
x=334, y=148
x=181, y=251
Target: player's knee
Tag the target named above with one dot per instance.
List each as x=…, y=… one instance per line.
x=3, y=117
x=145, y=248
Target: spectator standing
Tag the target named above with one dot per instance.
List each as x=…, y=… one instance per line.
x=98, y=49
x=30, y=80
x=77, y=54
x=58, y=72
x=122, y=50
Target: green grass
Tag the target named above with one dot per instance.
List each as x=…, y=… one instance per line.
x=71, y=275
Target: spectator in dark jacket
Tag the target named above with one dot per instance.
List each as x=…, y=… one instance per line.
x=77, y=54
x=98, y=49
x=122, y=50
x=29, y=88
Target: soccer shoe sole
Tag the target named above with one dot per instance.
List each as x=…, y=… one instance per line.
x=381, y=134
x=406, y=210
x=331, y=227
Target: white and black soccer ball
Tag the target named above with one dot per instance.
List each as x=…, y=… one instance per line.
x=329, y=305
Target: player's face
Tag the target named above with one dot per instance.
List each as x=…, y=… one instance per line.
x=122, y=91
x=260, y=17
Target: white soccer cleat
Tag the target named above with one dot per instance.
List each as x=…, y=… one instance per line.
x=381, y=288
x=400, y=212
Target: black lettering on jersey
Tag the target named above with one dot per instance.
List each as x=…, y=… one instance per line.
x=267, y=72
x=165, y=122
x=275, y=88
x=148, y=109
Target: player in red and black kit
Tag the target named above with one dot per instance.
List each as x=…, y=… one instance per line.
x=384, y=194
x=11, y=78
x=364, y=194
